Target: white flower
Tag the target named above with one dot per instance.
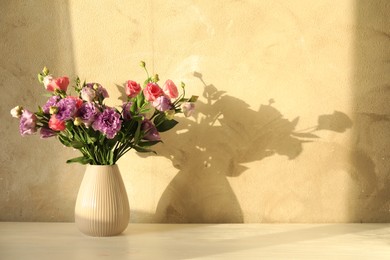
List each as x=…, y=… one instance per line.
x=17, y=111
x=88, y=94
x=47, y=80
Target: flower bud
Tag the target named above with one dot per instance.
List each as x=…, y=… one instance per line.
x=78, y=121
x=95, y=86
x=53, y=110
x=155, y=78
x=182, y=84
x=142, y=64
x=45, y=71
x=169, y=114
x=17, y=111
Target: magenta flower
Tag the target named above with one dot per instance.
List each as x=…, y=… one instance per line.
x=67, y=108
x=162, y=103
x=150, y=131
x=108, y=122
x=28, y=123
x=50, y=103
x=88, y=113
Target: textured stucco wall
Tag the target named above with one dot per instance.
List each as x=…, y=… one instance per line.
x=292, y=124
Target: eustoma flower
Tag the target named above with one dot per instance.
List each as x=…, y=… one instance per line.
x=108, y=122
x=56, y=124
x=88, y=113
x=50, y=103
x=52, y=84
x=47, y=132
x=126, y=110
x=188, y=108
x=170, y=89
x=17, y=111
x=132, y=88
x=152, y=91
x=88, y=94
x=102, y=133
x=150, y=131
x=100, y=91
x=28, y=123
x=67, y=108
x=162, y=103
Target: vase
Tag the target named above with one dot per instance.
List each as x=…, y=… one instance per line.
x=102, y=207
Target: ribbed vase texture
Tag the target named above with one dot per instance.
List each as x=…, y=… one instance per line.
x=102, y=206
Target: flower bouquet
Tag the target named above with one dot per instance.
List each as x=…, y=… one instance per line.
x=103, y=134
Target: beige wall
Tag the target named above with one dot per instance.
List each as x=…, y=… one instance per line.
x=292, y=124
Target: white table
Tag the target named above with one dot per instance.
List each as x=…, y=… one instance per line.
x=197, y=241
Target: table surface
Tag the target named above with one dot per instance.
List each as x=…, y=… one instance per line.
x=197, y=241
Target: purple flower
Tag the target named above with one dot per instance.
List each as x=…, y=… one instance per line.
x=162, y=103
x=88, y=94
x=50, y=103
x=108, y=122
x=150, y=131
x=88, y=113
x=126, y=110
x=101, y=92
x=47, y=132
x=188, y=108
x=28, y=123
x=66, y=109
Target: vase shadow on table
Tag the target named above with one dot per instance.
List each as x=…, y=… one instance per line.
x=216, y=143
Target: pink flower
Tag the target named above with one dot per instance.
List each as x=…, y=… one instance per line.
x=56, y=124
x=152, y=91
x=170, y=89
x=58, y=83
x=132, y=88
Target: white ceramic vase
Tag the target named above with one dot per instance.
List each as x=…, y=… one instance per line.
x=102, y=207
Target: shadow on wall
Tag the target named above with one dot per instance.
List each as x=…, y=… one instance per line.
x=225, y=135
x=371, y=156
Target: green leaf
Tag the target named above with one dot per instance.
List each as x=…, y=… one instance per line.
x=159, y=119
x=63, y=140
x=69, y=125
x=40, y=109
x=90, y=140
x=137, y=135
x=140, y=99
x=166, y=125
x=40, y=78
x=193, y=99
x=133, y=107
x=77, y=144
x=81, y=160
